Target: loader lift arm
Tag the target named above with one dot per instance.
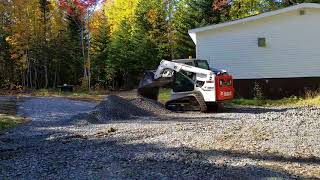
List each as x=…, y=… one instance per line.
x=166, y=70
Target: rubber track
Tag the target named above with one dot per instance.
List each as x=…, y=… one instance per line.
x=202, y=103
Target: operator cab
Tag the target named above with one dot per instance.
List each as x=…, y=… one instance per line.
x=183, y=82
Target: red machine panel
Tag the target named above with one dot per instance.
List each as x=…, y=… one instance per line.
x=224, y=87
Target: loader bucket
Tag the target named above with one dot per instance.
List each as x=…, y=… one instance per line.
x=149, y=87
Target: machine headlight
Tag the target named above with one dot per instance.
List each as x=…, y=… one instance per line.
x=200, y=83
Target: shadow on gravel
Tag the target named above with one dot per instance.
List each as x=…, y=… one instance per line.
x=184, y=167
x=113, y=160
x=117, y=158
x=8, y=105
x=154, y=162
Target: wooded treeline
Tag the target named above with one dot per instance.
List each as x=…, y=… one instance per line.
x=45, y=43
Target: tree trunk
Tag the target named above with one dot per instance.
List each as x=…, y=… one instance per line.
x=46, y=75
x=55, y=78
x=36, y=84
x=89, y=61
x=45, y=47
x=30, y=75
x=83, y=53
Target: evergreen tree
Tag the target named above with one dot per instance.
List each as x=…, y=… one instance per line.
x=45, y=18
x=151, y=18
x=121, y=58
x=100, y=49
x=244, y=8
x=192, y=14
x=74, y=45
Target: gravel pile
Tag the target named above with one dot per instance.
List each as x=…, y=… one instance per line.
x=150, y=105
x=117, y=108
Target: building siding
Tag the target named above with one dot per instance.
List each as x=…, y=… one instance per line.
x=292, y=50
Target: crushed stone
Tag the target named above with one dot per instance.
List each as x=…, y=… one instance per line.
x=118, y=108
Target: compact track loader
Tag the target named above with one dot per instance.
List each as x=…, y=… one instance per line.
x=195, y=87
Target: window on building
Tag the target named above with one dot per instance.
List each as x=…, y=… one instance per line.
x=262, y=42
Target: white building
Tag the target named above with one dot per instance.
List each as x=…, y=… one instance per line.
x=279, y=44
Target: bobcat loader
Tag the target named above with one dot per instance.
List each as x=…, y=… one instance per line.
x=194, y=85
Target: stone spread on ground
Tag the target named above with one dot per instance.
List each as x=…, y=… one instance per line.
x=142, y=140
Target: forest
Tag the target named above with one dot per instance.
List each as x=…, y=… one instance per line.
x=104, y=43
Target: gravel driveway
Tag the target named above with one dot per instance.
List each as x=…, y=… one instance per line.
x=241, y=143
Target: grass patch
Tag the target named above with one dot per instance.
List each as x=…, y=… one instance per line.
x=164, y=95
x=8, y=118
x=315, y=101
x=292, y=101
x=7, y=121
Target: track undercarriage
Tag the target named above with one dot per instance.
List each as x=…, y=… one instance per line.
x=192, y=102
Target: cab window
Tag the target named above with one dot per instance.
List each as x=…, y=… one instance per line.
x=202, y=64
x=189, y=63
x=182, y=83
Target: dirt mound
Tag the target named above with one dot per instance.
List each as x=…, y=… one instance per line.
x=117, y=108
